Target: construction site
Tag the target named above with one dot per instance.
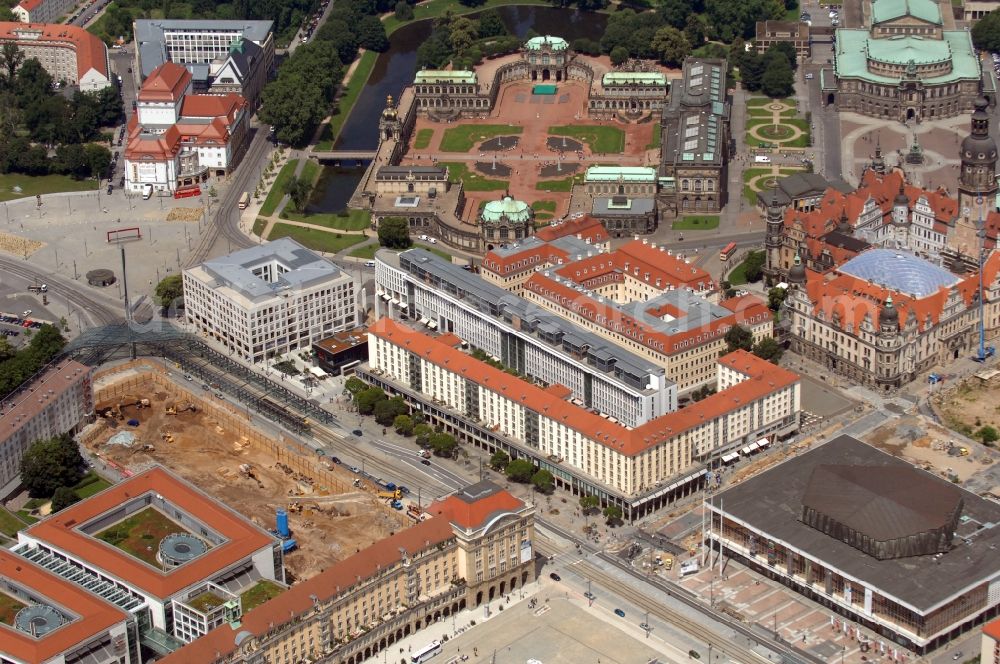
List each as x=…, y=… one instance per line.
x=932, y=447
x=143, y=418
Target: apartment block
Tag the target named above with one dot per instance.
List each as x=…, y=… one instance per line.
x=68, y=53
x=56, y=402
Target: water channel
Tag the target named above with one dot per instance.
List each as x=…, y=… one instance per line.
x=394, y=70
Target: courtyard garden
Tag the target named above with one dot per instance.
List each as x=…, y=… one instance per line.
x=140, y=534
x=259, y=593
x=703, y=222
x=423, y=139
x=472, y=181
x=9, y=608
x=316, y=239
x=464, y=137
x=761, y=179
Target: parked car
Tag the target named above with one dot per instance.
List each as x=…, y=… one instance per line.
x=619, y=613
x=555, y=577
x=357, y=432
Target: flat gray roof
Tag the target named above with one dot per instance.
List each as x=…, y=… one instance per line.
x=568, y=243
x=152, y=29
x=504, y=305
x=302, y=268
x=602, y=206
x=771, y=503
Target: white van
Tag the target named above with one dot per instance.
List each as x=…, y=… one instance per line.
x=689, y=567
x=147, y=191
x=762, y=159
x=369, y=263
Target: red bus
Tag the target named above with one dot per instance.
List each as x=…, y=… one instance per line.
x=187, y=192
x=727, y=252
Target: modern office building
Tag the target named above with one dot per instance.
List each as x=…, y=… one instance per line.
x=339, y=353
x=476, y=547
x=884, y=544
x=42, y=11
x=222, y=56
x=269, y=299
x=68, y=53
x=886, y=316
x=181, y=139
x=56, y=402
x=616, y=383
x=639, y=468
x=906, y=66
x=696, y=141
x=48, y=618
x=180, y=586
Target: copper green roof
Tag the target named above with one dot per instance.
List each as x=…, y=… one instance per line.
x=887, y=10
x=508, y=207
x=855, y=46
x=621, y=174
x=437, y=76
x=634, y=78
x=554, y=43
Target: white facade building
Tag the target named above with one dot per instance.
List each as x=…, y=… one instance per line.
x=55, y=403
x=67, y=52
x=270, y=299
x=42, y=11
x=615, y=382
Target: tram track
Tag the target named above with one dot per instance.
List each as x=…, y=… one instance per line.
x=99, y=313
x=720, y=643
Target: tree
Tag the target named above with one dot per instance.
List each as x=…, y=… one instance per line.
x=787, y=49
x=520, y=470
x=98, y=159
x=298, y=190
x=403, y=424
x=354, y=385
x=11, y=57
x=169, y=290
x=371, y=34
x=589, y=503
x=751, y=71
x=403, y=11
x=443, y=444
x=490, y=24
x=775, y=298
x=986, y=32
x=462, y=32
x=63, y=497
x=768, y=349
x=695, y=30
x=988, y=434
x=753, y=265
x=499, y=460
x=423, y=433
x=367, y=399
x=49, y=464
x=727, y=289
x=586, y=46
x=619, y=54
x=738, y=338
x=672, y=46
x=387, y=410
x=778, y=79
x=613, y=514
x=543, y=481
x=676, y=12
x=394, y=232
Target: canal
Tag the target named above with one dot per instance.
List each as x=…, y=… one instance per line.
x=394, y=70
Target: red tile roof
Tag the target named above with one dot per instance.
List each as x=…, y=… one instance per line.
x=190, y=129
x=29, y=5
x=94, y=614
x=655, y=260
x=992, y=629
x=326, y=585
x=166, y=83
x=212, y=106
x=61, y=531
x=475, y=514
x=763, y=379
x=751, y=311
x=585, y=227
x=91, y=52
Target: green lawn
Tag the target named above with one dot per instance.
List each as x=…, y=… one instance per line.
x=32, y=185
x=544, y=216
x=654, y=144
x=325, y=140
x=10, y=524
x=601, y=139
x=366, y=251
x=800, y=141
x=423, y=139
x=472, y=181
x=749, y=193
x=259, y=225
x=91, y=484
x=705, y=222
x=434, y=250
x=349, y=95
x=259, y=593
x=278, y=188
x=9, y=608
x=27, y=518
x=764, y=101
x=205, y=602
x=543, y=206
x=315, y=238
x=354, y=220
x=464, y=137
x=140, y=534
x=310, y=171
x=566, y=184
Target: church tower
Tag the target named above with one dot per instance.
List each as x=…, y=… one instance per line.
x=977, y=184
x=772, y=240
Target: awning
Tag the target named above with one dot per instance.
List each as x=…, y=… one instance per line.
x=424, y=321
x=746, y=450
x=753, y=446
x=385, y=296
x=726, y=458
x=316, y=371
x=394, y=301
x=763, y=442
x=432, y=325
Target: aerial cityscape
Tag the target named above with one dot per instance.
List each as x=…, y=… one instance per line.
x=512, y=331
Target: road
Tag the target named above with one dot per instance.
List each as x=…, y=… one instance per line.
x=97, y=310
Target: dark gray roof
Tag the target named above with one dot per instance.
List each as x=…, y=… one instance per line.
x=417, y=172
x=771, y=503
x=838, y=239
